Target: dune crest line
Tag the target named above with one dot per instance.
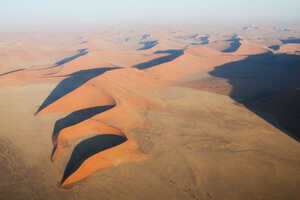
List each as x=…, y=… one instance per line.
x=79, y=123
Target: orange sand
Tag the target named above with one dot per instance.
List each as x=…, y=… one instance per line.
x=129, y=89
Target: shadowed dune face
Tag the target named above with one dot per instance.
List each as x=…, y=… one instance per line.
x=203, y=40
x=245, y=28
x=173, y=54
x=148, y=44
x=282, y=110
x=73, y=119
x=188, y=37
x=291, y=41
x=274, y=47
x=261, y=76
x=145, y=36
x=81, y=52
x=234, y=45
x=16, y=70
x=88, y=148
x=71, y=83
x=77, y=117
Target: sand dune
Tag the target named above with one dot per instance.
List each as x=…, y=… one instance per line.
x=196, y=59
x=281, y=109
x=87, y=89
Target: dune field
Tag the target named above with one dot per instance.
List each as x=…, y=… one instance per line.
x=151, y=114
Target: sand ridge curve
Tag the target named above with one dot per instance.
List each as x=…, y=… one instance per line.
x=97, y=155
x=84, y=93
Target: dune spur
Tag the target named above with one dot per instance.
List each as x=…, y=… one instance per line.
x=108, y=148
x=98, y=104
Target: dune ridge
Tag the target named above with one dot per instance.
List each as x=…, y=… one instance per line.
x=105, y=110
x=93, y=110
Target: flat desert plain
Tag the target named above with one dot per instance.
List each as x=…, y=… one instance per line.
x=142, y=113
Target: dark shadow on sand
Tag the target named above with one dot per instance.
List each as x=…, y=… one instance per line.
x=88, y=148
x=173, y=54
x=262, y=76
x=145, y=36
x=188, y=37
x=148, y=44
x=77, y=117
x=72, y=82
x=203, y=40
x=81, y=52
x=245, y=28
x=234, y=45
x=16, y=70
x=291, y=40
x=274, y=47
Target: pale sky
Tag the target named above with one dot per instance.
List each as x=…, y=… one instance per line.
x=28, y=12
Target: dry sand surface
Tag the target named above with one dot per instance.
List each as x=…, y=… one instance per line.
x=151, y=114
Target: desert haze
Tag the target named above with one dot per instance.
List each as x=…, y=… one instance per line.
x=175, y=112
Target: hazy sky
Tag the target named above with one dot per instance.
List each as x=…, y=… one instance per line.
x=27, y=12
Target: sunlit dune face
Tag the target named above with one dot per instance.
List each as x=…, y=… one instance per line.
x=96, y=99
